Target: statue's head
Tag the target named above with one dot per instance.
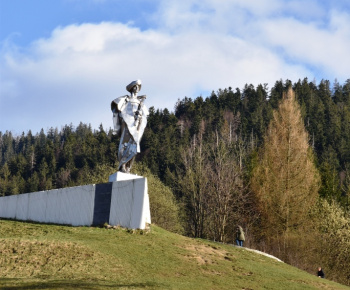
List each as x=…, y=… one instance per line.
x=130, y=87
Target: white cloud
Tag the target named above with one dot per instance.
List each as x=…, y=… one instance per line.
x=196, y=47
x=325, y=48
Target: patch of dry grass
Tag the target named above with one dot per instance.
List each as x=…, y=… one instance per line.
x=50, y=258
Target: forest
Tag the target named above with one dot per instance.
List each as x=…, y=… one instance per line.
x=275, y=161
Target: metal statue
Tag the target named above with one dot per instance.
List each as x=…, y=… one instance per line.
x=129, y=119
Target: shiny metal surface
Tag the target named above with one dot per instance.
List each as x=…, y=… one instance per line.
x=129, y=120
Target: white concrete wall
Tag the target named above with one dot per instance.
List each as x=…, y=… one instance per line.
x=8, y=206
x=53, y=205
x=22, y=207
x=72, y=205
x=37, y=206
x=75, y=205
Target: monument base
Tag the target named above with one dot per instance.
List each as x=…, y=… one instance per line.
x=130, y=203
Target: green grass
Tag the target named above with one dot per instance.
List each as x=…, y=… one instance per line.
x=37, y=256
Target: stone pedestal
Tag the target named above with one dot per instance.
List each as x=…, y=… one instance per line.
x=121, y=176
x=130, y=203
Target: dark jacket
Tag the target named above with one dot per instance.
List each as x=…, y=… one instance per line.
x=320, y=273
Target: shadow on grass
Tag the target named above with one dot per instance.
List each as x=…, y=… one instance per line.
x=9, y=284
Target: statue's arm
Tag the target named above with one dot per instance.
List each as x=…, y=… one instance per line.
x=116, y=122
x=117, y=106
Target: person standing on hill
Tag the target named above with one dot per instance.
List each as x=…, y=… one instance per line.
x=239, y=236
x=320, y=272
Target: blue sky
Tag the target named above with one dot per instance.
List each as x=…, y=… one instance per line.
x=64, y=61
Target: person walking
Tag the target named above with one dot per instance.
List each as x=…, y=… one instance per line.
x=239, y=236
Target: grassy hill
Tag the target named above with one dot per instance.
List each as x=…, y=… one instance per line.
x=36, y=256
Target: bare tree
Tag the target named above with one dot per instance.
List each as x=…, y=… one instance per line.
x=211, y=181
x=226, y=195
x=193, y=183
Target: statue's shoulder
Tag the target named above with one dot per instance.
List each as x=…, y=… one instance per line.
x=118, y=102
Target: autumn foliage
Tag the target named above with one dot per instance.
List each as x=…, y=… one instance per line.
x=286, y=180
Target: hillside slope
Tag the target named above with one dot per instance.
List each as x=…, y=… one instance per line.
x=36, y=256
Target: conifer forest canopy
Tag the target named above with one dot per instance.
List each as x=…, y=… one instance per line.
x=62, y=157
